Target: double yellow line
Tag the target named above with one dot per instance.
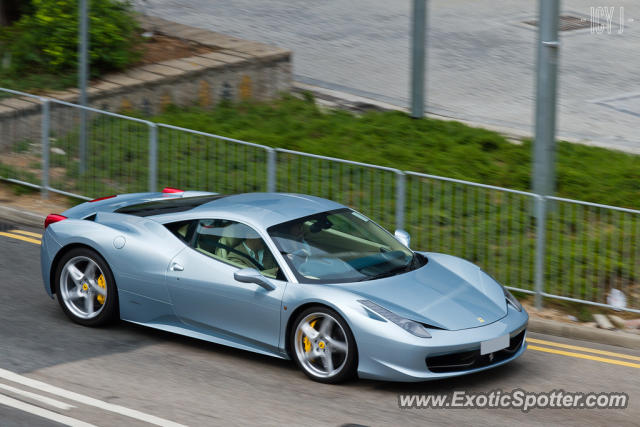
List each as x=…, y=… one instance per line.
x=25, y=236
x=583, y=350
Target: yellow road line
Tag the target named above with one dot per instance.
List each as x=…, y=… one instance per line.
x=19, y=237
x=584, y=356
x=585, y=349
x=26, y=233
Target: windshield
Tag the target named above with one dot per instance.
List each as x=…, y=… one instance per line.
x=340, y=246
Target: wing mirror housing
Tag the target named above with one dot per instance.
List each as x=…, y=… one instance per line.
x=251, y=275
x=402, y=237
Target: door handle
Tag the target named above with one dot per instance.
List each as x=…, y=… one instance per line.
x=176, y=267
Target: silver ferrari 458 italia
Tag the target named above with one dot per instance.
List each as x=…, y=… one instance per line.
x=287, y=275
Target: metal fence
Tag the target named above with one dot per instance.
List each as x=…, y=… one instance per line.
x=372, y=189
x=492, y=226
x=547, y=246
x=21, y=138
x=192, y=159
x=114, y=157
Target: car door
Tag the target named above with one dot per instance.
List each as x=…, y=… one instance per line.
x=205, y=294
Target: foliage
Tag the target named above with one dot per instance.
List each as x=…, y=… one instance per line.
x=46, y=41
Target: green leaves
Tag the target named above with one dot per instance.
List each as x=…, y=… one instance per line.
x=46, y=41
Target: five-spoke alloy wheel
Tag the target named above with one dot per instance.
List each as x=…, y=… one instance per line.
x=85, y=287
x=323, y=345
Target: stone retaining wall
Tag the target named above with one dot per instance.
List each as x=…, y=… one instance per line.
x=235, y=70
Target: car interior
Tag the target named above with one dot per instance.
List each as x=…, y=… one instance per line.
x=218, y=239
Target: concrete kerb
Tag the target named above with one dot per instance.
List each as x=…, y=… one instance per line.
x=585, y=333
x=21, y=217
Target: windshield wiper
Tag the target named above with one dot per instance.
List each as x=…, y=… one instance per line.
x=401, y=269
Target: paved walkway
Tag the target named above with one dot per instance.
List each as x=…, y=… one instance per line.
x=481, y=56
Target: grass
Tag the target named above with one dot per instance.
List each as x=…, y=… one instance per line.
x=588, y=251
x=431, y=146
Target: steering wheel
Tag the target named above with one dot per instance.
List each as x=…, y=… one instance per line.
x=243, y=255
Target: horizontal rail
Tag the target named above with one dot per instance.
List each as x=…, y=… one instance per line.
x=474, y=184
x=40, y=187
x=524, y=291
x=66, y=193
x=582, y=301
x=335, y=159
x=15, y=92
x=17, y=181
x=595, y=205
x=212, y=135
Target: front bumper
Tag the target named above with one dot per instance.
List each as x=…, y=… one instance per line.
x=395, y=355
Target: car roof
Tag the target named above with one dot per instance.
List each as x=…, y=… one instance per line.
x=260, y=209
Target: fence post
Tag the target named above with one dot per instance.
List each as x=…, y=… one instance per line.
x=400, y=199
x=541, y=221
x=46, y=122
x=418, y=35
x=271, y=170
x=153, y=157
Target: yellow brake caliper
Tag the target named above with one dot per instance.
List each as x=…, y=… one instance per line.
x=103, y=285
x=305, y=340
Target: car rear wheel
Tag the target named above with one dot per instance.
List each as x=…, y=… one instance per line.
x=323, y=345
x=85, y=288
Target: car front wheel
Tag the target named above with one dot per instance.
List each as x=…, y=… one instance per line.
x=323, y=345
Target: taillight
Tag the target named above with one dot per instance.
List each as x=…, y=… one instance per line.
x=102, y=198
x=172, y=190
x=50, y=219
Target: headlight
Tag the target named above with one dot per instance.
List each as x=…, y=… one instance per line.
x=410, y=326
x=511, y=299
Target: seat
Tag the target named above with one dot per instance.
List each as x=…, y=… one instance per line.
x=207, y=238
x=227, y=241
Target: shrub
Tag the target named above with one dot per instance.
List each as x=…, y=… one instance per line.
x=47, y=39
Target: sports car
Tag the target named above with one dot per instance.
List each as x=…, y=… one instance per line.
x=286, y=275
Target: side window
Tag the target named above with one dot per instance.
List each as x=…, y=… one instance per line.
x=236, y=244
x=183, y=230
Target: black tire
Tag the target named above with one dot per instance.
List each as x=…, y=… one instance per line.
x=348, y=369
x=109, y=309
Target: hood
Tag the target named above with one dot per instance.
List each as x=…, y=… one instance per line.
x=448, y=293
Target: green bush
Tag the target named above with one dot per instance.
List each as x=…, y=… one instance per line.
x=46, y=41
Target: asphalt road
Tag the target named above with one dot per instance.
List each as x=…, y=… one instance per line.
x=481, y=56
x=54, y=372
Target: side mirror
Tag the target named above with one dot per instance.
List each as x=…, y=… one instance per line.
x=251, y=275
x=402, y=237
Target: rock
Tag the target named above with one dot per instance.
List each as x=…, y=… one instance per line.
x=617, y=321
x=633, y=324
x=603, y=322
x=60, y=151
x=617, y=299
x=572, y=318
